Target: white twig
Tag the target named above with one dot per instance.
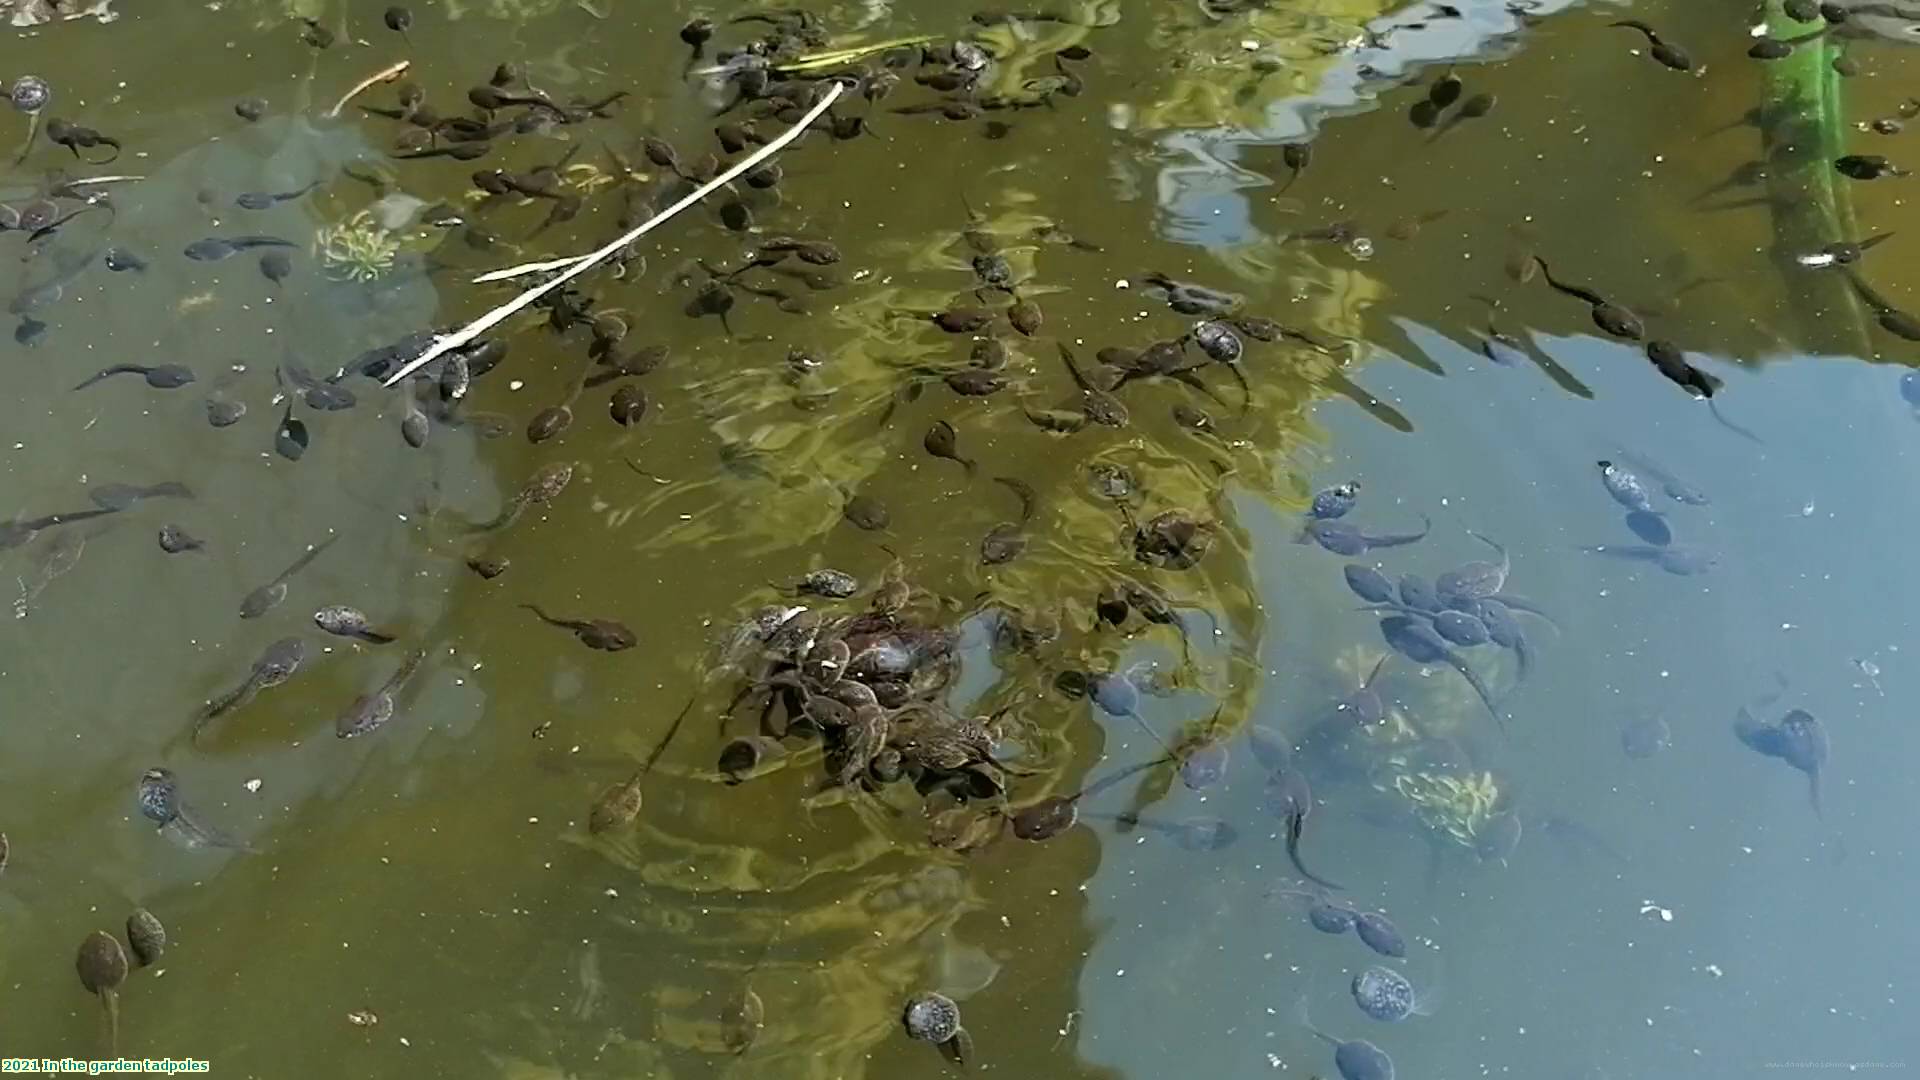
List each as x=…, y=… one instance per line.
x=385, y=74
x=528, y=268
x=481, y=325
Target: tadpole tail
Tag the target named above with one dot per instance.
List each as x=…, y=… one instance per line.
x=1171, y=756
x=734, y=704
x=1108, y=781
x=1581, y=292
x=110, y=1000
x=671, y=731
x=1305, y=1020
x=1530, y=608
x=1523, y=655
x=1480, y=687
x=506, y=517
x=1401, y=539
x=306, y=559
x=223, y=705
x=26, y=147
x=1295, y=823
x=1449, y=124
x=1714, y=408
x=117, y=369
x=1636, y=24
x=1246, y=390
x=1397, y=609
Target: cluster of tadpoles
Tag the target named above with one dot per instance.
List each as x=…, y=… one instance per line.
x=1666, y=357
x=1445, y=91
x=103, y=966
x=1382, y=993
x=1768, y=47
x=429, y=134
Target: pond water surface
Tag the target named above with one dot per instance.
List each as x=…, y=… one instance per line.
x=1613, y=865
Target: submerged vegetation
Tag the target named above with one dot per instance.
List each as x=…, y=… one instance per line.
x=905, y=582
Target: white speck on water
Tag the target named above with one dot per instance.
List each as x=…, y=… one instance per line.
x=253, y=785
x=1122, y=283
x=516, y=384
x=533, y=821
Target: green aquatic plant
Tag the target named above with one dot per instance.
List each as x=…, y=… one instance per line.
x=1456, y=805
x=1231, y=72
x=515, y=10
x=356, y=249
x=1417, y=765
x=1025, y=57
x=1802, y=130
x=815, y=63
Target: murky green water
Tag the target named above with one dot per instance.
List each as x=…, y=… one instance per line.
x=1680, y=912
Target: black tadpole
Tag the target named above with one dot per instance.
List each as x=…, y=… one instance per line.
x=400, y=20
